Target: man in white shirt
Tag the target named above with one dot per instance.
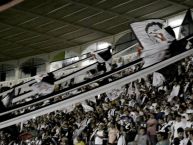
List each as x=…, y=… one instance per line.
x=177, y=124
x=99, y=136
x=174, y=92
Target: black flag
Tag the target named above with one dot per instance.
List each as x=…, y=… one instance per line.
x=106, y=55
x=187, y=25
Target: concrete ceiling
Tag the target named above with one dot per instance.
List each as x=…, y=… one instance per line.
x=42, y=26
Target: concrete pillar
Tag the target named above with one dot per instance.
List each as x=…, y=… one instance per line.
x=47, y=66
x=17, y=73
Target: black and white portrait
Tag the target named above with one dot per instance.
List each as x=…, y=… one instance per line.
x=154, y=39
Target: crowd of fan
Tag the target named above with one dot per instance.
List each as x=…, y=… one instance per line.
x=142, y=115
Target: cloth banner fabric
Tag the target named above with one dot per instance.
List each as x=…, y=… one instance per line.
x=43, y=88
x=187, y=25
x=175, y=92
x=104, y=57
x=45, y=84
x=121, y=140
x=154, y=39
x=114, y=94
x=86, y=107
x=158, y=79
x=7, y=100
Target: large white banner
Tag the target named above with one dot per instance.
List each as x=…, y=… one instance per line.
x=154, y=39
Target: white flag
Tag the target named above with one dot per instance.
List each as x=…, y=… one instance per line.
x=87, y=108
x=114, y=94
x=45, y=84
x=158, y=79
x=43, y=88
x=154, y=39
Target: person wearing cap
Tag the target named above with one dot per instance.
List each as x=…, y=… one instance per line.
x=162, y=138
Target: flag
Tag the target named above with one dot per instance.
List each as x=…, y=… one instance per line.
x=158, y=79
x=136, y=90
x=13, y=129
x=187, y=25
x=45, y=86
x=175, y=91
x=82, y=126
x=154, y=39
x=114, y=94
x=86, y=107
x=39, y=77
x=49, y=78
x=121, y=140
x=104, y=57
x=170, y=30
x=130, y=89
x=56, y=65
x=7, y=100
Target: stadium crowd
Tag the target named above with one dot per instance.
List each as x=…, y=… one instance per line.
x=136, y=114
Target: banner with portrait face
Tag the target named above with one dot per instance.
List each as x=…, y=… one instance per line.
x=154, y=39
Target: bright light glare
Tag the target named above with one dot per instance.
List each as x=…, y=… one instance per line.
x=55, y=65
x=87, y=62
x=177, y=32
x=103, y=45
x=176, y=22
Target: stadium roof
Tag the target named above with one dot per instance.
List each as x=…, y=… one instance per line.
x=42, y=26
